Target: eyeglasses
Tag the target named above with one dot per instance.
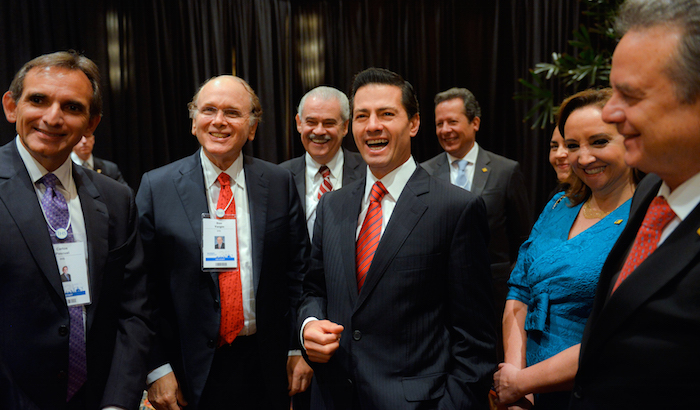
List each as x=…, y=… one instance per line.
x=230, y=114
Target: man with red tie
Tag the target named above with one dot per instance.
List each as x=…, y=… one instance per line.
x=639, y=349
x=396, y=311
x=223, y=316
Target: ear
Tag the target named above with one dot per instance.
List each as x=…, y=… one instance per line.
x=344, y=130
x=251, y=133
x=194, y=127
x=298, y=120
x=414, y=124
x=10, y=107
x=92, y=124
x=476, y=122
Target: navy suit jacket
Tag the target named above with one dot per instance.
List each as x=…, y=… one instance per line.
x=171, y=200
x=640, y=346
x=109, y=168
x=420, y=333
x=354, y=168
x=34, y=316
x=500, y=183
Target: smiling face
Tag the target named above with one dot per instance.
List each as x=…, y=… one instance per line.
x=558, y=156
x=222, y=122
x=455, y=132
x=322, y=128
x=381, y=127
x=52, y=114
x=596, y=151
x=662, y=134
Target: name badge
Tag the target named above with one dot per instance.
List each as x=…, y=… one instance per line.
x=219, y=243
x=70, y=258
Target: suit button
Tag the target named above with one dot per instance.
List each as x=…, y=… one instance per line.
x=63, y=330
x=357, y=335
x=62, y=375
x=211, y=343
x=578, y=393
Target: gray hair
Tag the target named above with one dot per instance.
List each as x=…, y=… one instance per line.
x=684, y=69
x=471, y=105
x=256, y=108
x=325, y=94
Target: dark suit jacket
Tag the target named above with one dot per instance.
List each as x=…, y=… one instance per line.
x=354, y=168
x=34, y=316
x=420, y=333
x=109, y=168
x=640, y=346
x=500, y=183
x=171, y=201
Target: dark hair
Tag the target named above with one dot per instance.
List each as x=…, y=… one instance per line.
x=471, y=105
x=577, y=191
x=373, y=75
x=256, y=108
x=684, y=67
x=71, y=60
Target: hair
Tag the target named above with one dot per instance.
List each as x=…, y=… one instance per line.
x=577, y=191
x=256, y=109
x=471, y=105
x=71, y=60
x=683, y=15
x=328, y=93
x=373, y=75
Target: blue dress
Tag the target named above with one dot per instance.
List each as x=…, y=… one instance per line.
x=557, y=277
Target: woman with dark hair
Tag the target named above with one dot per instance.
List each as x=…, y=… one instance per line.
x=554, y=281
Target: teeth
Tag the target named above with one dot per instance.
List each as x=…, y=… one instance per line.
x=594, y=170
x=382, y=141
x=218, y=135
x=319, y=139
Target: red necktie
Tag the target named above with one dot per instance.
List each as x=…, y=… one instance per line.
x=658, y=216
x=326, y=185
x=370, y=233
x=230, y=289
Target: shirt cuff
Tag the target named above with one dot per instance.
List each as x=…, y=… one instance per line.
x=158, y=373
x=301, y=332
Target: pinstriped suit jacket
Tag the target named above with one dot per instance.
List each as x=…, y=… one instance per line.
x=420, y=332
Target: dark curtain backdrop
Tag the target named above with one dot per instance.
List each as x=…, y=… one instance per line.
x=155, y=53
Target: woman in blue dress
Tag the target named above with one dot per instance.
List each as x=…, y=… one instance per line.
x=553, y=283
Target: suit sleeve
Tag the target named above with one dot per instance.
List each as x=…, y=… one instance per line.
x=519, y=214
x=471, y=310
x=134, y=331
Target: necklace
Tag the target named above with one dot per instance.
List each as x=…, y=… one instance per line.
x=590, y=213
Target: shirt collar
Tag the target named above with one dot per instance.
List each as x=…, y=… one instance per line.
x=37, y=171
x=470, y=157
x=394, y=181
x=335, y=164
x=683, y=199
x=79, y=161
x=211, y=171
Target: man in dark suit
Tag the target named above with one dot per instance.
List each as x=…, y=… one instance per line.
x=398, y=269
x=56, y=354
x=496, y=179
x=197, y=358
x=639, y=348
x=322, y=121
x=82, y=155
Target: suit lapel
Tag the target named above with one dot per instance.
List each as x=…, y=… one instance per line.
x=351, y=168
x=442, y=168
x=408, y=211
x=96, y=218
x=189, y=184
x=298, y=169
x=19, y=196
x=258, y=195
x=482, y=171
x=348, y=231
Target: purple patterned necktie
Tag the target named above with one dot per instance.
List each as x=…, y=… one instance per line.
x=57, y=216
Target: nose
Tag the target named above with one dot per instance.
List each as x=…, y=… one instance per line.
x=219, y=118
x=561, y=152
x=319, y=129
x=373, y=123
x=585, y=157
x=443, y=128
x=613, y=111
x=54, y=115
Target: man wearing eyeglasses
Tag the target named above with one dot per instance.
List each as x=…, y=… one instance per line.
x=224, y=315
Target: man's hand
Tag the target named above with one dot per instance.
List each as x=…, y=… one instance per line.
x=165, y=394
x=321, y=340
x=505, y=382
x=298, y=374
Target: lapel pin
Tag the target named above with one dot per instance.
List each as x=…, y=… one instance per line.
x=99, y=171
x=698, y=231
x=619, y=221
x=484, y=169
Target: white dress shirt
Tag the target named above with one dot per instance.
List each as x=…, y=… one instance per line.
x=469, y=170
x=90, y=163
x=682, y=201
x=313, y=180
